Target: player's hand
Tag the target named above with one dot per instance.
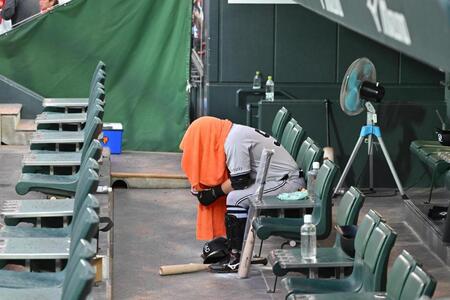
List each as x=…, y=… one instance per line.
x=206, y=197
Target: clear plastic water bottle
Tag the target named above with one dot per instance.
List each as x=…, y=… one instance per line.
x=270, y=89
x=257, y=81
x=308, y=238
x=311, y=184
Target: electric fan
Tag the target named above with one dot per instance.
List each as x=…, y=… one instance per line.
x=358, y=89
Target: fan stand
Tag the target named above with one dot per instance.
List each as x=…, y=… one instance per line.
x=370, y=130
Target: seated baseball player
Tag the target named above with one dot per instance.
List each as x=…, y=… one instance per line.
x=238, y=153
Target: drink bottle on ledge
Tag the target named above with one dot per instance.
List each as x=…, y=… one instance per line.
x=257, y=81
x=270, y=89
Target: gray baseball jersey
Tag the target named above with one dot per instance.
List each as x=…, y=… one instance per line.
x=243, y=148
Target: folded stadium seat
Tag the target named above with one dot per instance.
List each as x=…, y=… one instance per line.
x=293, y=135
x=50, y=248
x=295, y=138
x=76, y=286
x=42, y=139
x=23, y=280
x=406, y=280
x=308, y=153
x=58, y=185
x=25, y=232
x=46, y=161
x=58, y=119
x=29, y=210
x=286, y=132
x=321, y=215
x=369, y=268
x=288, y=260
x=279, y=123
x=64, y=104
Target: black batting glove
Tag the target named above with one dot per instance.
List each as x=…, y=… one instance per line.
x=206, y=197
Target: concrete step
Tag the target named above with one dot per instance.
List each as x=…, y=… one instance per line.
x=13, y=130
x=10, y=109
x=26, y=125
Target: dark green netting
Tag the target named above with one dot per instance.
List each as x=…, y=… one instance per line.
x=146, y=46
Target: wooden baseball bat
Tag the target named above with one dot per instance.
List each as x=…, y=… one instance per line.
x=247, y=253
x=181, y=269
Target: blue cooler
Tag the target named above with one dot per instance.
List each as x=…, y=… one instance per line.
x=112, y=137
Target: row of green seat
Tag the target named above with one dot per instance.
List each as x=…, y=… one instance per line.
x=372, y=244
x=75, y=242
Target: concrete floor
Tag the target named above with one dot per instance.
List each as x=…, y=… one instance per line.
x=157, y=227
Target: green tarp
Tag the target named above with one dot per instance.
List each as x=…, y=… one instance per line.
x=146, y=46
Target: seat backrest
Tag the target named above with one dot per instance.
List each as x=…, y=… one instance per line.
x=369, y=222
x=418, y=284
x=279, y=122
x=92, y=149
x=78, y=284
x=302, y=151
x=92, y=132
x=376, y=257
x=91, y=202
x=294, y=139
x=321, y=215
x=403, y=265
x=94, y=111
x=287, y=132
x=84, y=227
x=96, y=92
x=99, y=69
x=87, y=184
x=82, y=250
x=348, y=210
x=314, y=153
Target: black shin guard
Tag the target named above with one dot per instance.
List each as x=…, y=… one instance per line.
x=235, y=231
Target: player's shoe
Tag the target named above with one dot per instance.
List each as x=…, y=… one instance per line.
x=230, y=265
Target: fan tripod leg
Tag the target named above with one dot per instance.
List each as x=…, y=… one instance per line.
x=392, y=168
x=349, y=164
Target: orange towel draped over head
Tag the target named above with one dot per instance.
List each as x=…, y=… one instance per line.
x=204, y=163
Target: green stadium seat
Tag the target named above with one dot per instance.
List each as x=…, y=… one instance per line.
x=321, y=215
x=309, y=152
x=294, y=139
x=61, y=185
x=290, y=260
x=369, y=269
x=16, y=211
x=24, y=280
x=285, y=137
x=50, y=248
x=418, y=284
x=37, y=160
x=58, y=118
x=76, y=286
x=347, y=214
x=43, y=138
x=406, y=280
x=279, y=123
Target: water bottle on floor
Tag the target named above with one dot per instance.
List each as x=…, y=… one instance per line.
x=311, y=184
x=308, y=238
x=270, y=89
x=257, y=81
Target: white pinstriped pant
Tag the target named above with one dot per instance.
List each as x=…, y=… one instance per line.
x=238, y=200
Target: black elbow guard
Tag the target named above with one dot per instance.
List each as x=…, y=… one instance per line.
x=240, y=182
